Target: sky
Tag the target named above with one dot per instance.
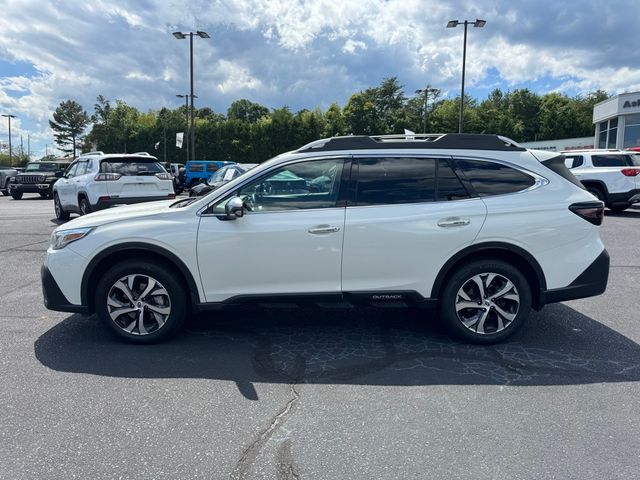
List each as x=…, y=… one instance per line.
x=300, y=54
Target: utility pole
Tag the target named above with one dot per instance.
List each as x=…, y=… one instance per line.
x=28, y=147
x=9, y=117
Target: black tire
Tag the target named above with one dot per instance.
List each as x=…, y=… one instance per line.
x=44, y=194
x=16, y=195
x=515, y=311
x=85, y=206
x=152, y=331
x=57, y=206
x=5, y=192
x=596, y=192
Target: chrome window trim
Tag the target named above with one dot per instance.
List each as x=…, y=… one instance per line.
x=264, y=173
x=539, y=180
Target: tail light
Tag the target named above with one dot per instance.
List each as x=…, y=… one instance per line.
x=630, y=172
x=592, y=212
x=107, y=177
x=163, y=176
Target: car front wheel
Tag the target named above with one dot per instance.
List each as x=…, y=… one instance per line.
x=141, y=302
x=16, y=195
x=485, y=301
x=57, y=206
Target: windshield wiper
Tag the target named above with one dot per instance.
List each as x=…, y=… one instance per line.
x=184, y=202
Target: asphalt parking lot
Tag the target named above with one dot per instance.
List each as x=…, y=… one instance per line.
x=316, y=393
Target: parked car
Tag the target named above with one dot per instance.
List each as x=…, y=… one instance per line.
x=197, y=171
x=475, y=226
x=222, y=176
x=174, y=170
x=6, y=174
x=612, y=176
x=96, y=181
x=38, y=177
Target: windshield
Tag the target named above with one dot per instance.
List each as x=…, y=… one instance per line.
x=218, y=176
x=44, y=167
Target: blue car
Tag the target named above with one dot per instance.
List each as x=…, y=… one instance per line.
x=197, y=171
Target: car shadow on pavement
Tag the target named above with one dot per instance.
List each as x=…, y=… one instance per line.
x=558, y=346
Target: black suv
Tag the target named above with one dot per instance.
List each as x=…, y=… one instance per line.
x=38, y=177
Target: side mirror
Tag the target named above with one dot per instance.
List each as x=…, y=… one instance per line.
x=234, y=208
x=59, y=174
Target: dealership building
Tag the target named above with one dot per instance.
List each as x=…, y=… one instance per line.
x=617, y=122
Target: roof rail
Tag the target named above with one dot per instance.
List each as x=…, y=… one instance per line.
x=92, y=153
x=146, y=154
x=463, y=141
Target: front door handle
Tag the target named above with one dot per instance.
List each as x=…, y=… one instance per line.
x=453, y=222
x=322, y=229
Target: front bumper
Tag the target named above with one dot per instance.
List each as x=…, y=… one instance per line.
x=591, y=282
x=54, y=299
x=29, y=187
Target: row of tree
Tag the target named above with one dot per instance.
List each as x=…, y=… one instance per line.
x=250, y=132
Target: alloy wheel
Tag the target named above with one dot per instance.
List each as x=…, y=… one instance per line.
x=487, y=303
x=138, y=304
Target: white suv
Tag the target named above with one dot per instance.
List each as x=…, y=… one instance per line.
x=473, y=225
x=612, y=176
x=96, y=181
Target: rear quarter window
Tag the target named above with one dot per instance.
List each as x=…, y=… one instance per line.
x=491, y=178
x=612, y=161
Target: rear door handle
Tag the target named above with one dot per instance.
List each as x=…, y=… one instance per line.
x=322, y=229
x=453, y=222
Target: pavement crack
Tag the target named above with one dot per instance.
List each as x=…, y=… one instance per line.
x=248, y=457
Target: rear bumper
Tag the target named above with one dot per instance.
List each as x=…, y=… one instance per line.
x=591, y=282
x=111, y=202
x=632, y=196
x=54, y=299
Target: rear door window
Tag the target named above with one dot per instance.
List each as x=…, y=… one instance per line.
x=388, y=181
x=491, y=178
x=124, y=167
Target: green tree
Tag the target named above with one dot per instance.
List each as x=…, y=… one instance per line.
x=69, y=123
x=246, y=111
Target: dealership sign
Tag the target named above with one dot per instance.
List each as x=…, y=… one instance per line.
x=629, y=104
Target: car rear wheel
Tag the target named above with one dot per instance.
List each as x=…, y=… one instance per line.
x=485, y=301
x=596, y=192
x=141, y=302
x=57, y=206
x=85, y=206
x=5, y=192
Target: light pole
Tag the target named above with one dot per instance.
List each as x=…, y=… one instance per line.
x=182, y=36
x=453, y=24
x=9, y=117
x=189, y=117
x=426, y=92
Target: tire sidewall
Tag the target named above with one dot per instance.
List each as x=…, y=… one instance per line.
x=166, y=276
x=57, y=208
x=87, y=209
x=449, y=316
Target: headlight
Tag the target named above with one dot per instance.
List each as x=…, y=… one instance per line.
x=64, y=237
